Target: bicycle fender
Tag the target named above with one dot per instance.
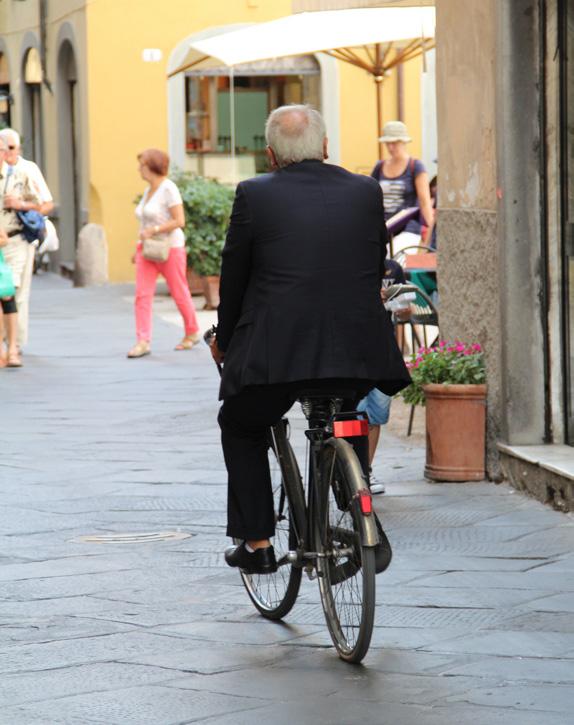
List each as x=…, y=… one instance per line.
x=355, y=473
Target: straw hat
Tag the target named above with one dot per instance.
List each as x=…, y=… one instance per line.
x=395, y=131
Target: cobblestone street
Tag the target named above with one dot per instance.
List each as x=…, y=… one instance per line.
x=475, y=616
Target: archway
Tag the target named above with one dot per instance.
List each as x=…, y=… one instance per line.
x=68, y=143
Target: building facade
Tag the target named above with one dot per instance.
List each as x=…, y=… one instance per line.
x=86, y=84
x=505, y=118
x=505, y=74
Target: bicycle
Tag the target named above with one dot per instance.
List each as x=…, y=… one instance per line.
x=326, y=527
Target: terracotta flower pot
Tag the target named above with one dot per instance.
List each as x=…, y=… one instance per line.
x=455, y=424
x=194, y=281
x=210, y=285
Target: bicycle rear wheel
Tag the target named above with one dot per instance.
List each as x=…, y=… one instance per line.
x=345, y=565
x=275, y=594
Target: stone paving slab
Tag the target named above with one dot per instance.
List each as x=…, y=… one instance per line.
x=474, y=617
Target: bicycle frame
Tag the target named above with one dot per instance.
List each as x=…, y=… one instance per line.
x=319, y=432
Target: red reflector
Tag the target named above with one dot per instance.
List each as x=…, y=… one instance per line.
x=347, y=428
x=366, y=501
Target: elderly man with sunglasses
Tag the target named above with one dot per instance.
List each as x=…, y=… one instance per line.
x=21, y=175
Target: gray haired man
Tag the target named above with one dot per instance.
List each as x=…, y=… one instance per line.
x=300, y=306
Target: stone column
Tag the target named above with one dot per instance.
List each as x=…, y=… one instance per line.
x=467, y=191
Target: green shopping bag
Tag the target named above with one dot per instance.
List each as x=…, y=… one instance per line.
x=6, y=280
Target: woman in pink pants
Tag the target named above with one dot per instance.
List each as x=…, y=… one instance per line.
x=160, y=213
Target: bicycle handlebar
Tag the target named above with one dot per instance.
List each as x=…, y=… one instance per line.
x=208, y=337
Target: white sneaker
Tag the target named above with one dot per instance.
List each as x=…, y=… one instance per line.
x=375, y=485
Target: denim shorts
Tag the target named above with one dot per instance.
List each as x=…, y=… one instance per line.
x=377, y=406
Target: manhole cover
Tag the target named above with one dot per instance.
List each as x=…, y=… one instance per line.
x=135, y=538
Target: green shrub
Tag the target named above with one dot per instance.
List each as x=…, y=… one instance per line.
x=207, y=205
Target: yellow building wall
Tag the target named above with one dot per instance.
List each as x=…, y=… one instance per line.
x=358, y=112
x=128, y=98
x=127, y=101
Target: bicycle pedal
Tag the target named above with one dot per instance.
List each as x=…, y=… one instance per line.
x=311, y=573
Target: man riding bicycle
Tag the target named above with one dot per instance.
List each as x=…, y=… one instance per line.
x=300, y=305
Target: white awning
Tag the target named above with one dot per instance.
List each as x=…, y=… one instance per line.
x=314, y=32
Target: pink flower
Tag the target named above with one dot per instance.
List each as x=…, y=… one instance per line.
x=442, y=344
x=460, y=347
x=476, y=347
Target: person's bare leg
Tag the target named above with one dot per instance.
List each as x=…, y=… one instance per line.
x=375, y=485
x=11, y=322
x=374, y=434
x=2, y=334
x=259, y=544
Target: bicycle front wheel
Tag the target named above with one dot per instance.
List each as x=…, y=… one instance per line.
x=345, y=565
x=274, y=594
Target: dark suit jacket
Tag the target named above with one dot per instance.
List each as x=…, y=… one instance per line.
x=300, y=282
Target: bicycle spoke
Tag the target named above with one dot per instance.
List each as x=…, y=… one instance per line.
x=348, y=599
x=275, y=594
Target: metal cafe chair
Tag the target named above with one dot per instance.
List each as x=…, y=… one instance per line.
x=421, y=313
x=414, y=249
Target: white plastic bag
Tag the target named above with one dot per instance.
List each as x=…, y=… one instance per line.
x=51, y=242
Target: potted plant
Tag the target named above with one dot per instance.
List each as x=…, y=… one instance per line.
x=450, y=381
x=207, y=205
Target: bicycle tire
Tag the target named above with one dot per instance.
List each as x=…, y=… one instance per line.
x=346, y=578
x=275, y=594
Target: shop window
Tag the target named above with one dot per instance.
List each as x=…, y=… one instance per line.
x=258, y=88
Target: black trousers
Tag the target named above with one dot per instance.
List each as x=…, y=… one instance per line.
x=245, y=420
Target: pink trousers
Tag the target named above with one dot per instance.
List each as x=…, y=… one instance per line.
x=173, y=270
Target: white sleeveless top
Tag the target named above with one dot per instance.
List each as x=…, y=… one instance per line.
x=155, y=212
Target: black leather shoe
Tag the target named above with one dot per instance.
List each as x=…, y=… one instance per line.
x=261, y=561
x=383, y=551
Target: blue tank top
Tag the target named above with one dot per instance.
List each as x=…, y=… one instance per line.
x=400, y=192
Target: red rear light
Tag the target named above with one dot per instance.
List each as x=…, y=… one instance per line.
x=366, y=501
x=349, y=428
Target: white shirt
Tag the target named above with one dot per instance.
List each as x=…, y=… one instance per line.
x=155, y=212
x=37, y=178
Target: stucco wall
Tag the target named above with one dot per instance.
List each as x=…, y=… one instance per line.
x=467, y=217
x=128, y=100
x=123, y=100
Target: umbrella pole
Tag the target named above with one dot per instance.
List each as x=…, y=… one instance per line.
x=232, y=122
x=378, y=76
x=379, y=86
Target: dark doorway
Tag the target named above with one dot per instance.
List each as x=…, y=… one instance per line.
x=69, y=221
x=566, y=30
x=5, y=97
x=32, y=139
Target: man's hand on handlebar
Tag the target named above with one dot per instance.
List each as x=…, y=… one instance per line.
x=215, y=351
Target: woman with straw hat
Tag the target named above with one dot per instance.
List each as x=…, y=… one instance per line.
x=405, y=184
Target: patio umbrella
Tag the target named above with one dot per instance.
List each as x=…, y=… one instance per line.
x=364, y=37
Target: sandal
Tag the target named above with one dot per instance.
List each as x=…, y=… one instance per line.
x=140, y=349
x=13, y=360
x=189, y=341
